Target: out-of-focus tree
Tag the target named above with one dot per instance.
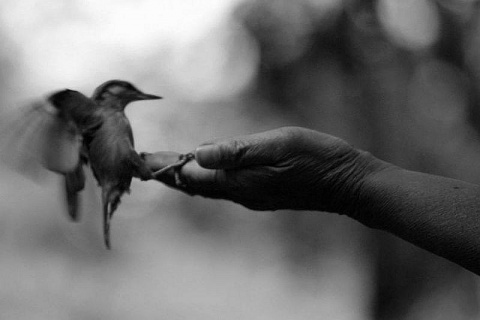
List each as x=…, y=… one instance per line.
x=398, y=78
x=392, y=77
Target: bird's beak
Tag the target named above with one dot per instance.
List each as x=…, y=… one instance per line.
x=145, y=96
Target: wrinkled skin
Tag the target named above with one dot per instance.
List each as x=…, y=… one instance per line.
x=296, y=168
x=286, y=168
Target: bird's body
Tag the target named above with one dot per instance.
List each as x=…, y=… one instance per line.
x=109, y=154
x=109, y=150
x=92, y=131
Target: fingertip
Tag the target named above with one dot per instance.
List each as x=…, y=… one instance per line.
x=207, y=155
x=158, y=160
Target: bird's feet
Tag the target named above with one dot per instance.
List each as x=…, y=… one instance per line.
x=142, y=172
x=176, y=167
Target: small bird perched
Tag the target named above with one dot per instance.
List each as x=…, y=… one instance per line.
x=71, y=131
x=110, y=147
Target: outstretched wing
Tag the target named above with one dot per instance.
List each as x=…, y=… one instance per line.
x=37, y=137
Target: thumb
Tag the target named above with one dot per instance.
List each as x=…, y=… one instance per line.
x=256, y=149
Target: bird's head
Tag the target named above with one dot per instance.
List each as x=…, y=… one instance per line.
x=117, y=94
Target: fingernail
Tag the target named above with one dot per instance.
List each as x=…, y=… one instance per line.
x=207, y=155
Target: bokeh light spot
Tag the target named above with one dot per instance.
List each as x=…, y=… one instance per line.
x=412, y=24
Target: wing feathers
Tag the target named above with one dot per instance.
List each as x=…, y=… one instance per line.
x=35, y=137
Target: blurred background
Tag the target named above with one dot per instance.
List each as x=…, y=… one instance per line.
x=397, y=78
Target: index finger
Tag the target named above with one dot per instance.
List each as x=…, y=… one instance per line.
x=194, y=176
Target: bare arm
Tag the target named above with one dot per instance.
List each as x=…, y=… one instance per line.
x=296, y=168
x=438, y=214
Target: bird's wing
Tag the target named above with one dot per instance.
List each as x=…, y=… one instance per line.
x=74, y=183
x=37, y=137
x=140, y=169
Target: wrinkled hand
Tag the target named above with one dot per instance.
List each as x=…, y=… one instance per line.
x=286, y=168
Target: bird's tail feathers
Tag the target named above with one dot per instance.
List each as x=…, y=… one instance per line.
x=110, y=200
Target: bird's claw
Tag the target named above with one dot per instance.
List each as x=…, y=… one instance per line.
x=144, y=154
x=177, y=167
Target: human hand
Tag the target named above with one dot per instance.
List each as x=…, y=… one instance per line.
x=286, y=168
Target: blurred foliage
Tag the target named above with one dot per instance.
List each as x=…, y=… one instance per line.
x=397, y=78
x=391, y=77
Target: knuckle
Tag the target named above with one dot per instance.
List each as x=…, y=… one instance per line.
x=291, y=137
x=236, y=152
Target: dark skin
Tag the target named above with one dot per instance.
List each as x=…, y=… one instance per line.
x=301, y=169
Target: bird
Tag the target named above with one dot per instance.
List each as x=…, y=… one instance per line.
x=70, y=131
x=110, y=149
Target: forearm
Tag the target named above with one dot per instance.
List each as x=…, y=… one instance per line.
x=438, y=214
